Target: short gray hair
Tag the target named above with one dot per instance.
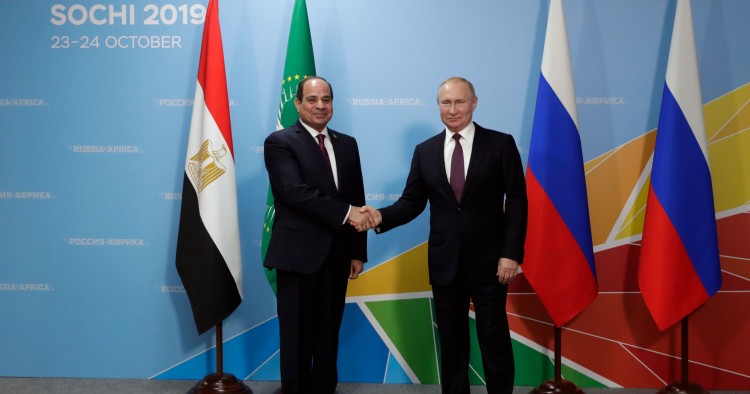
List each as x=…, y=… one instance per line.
x=454, y=79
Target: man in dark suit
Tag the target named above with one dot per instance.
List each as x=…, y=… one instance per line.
x=317, y=185
x=478, y=207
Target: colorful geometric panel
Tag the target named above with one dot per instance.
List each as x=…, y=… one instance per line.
x=389, y=335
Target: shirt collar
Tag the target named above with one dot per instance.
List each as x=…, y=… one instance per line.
x=314, y=133
x=467, y=133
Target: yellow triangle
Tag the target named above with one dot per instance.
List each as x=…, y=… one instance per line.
x=633, y=223
x=405, y=273
x=726, y=115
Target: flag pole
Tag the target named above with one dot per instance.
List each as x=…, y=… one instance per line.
x=220, y=382
x=558, y=385
x=684, y=386
x=219, y=350
x=558, y=355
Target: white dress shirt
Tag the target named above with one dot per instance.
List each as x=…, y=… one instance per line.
x=331, y=155
x=466, y=140
x=329, y=147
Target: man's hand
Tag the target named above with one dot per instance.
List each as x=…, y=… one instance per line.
x=375, y=217
x=506, y=270
x=358, y=220
x=356, y=269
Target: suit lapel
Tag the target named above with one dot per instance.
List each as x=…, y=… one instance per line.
x=340, y=155
x=312, y=146
x=437, y=147
x=478, y=154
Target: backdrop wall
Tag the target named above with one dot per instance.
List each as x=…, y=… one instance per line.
x=95, y=103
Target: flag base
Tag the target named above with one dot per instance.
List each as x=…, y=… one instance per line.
x=683, y=388
x=561, y=387
x=226, y=383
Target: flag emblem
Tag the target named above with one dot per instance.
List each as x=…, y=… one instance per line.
x=205, y=166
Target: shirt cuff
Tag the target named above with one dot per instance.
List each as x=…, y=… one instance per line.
x=347, y=215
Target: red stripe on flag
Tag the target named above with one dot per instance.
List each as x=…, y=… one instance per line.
x=212, y=75
x=559, y=273
x=670, y=285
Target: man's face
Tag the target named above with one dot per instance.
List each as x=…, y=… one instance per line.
x=316, y=107
x=457, y=104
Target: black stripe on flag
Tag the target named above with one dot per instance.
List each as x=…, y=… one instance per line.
x=207, y=280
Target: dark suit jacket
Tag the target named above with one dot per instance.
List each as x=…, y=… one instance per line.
x=478, y=230
x=309, y=210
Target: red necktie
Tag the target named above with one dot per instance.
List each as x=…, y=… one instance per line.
x=321, y=138
x=457, y=168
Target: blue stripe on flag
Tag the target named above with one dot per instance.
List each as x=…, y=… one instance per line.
x=557, y=162
x=680, y=169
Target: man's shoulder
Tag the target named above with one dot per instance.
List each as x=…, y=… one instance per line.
x=339, y=135
x=438, y=139
x=490, y=132
x=484, y=135
x=286, y=130
x=286, y=133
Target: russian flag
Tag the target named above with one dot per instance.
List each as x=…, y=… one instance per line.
x=208, y=242
x=559, y=261
x=679, y=265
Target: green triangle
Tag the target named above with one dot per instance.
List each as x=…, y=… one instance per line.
x=406, y=322
x=534, y=367
x=579, y=378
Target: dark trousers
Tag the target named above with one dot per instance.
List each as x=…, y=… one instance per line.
x=493, y=333
x=310, y=308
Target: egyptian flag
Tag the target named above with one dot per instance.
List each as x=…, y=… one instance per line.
x=208, y=244
x=559, y=261
x=679, y=264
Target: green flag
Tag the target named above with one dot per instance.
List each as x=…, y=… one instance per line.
x=300, y=63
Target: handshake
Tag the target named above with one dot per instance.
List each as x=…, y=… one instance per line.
x=364, y=218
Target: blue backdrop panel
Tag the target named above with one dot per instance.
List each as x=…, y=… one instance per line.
x=95, y=102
